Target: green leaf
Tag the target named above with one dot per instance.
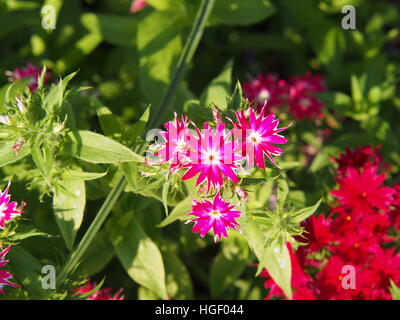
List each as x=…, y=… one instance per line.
x=80, y=175
x=173, y=5
x=95, y=148
x=130, y=172
x=394, y=290
x=25, y=233
x=276, y=259
x=68, y=209
x=183, y=207
x=56, y=95
x=229, y=264
x=43, y=160
x=109, y=122
x=115, y=29
x=136, y=130
x=8, y=156
x=97, y=256
x=140, y=257
x=277, y=262
x=146, y=294
x=159, y=49
x=283, y=191
x=10, y=91
x=235, y=101
x=26, y=269
x=241, y=12
x=12, y=21
x=304, y=213
x=179, y=284
x=219, y=89
x=329, y=43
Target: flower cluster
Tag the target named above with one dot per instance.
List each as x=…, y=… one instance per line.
x=296, y=93
x=102, y=294
x=354, y=235
x=216, y=156
x=30, y=72
x=5, y=275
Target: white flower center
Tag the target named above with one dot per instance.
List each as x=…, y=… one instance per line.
x=305, y=103
x=255, y=137
x=263, y=96
x=181, y=145
x=215, y=214
x=211, y=157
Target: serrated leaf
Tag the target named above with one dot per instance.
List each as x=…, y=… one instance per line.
x=96, y=148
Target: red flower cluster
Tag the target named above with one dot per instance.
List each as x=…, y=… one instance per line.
x=102, y=294
x=297, y=94
x=360, y=158
x=349, y=254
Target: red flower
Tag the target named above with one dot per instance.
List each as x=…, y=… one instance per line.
x=318, y=233
x=384, y=266
x=362, y=192
x=302, y=104
x=267, y=90
x=30, y=72
x=102, y=294
x=360, y=158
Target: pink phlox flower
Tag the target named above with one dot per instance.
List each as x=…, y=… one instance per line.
x=217, y=215
x=214, y=155
x=8, y=210
x=258, y=134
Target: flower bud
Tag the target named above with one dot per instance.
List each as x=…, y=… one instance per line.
x=21, y=105
x=5, y=120
x=18, y=145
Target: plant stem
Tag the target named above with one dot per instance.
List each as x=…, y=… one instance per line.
x=185, y=58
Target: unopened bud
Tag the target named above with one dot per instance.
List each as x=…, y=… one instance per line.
x=18, y=145
x=58, y=127
x=216, y=116
x=5, y=120
x=20, y=104
x=241, y=193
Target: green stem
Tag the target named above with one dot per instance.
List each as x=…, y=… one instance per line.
x=185, y=58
